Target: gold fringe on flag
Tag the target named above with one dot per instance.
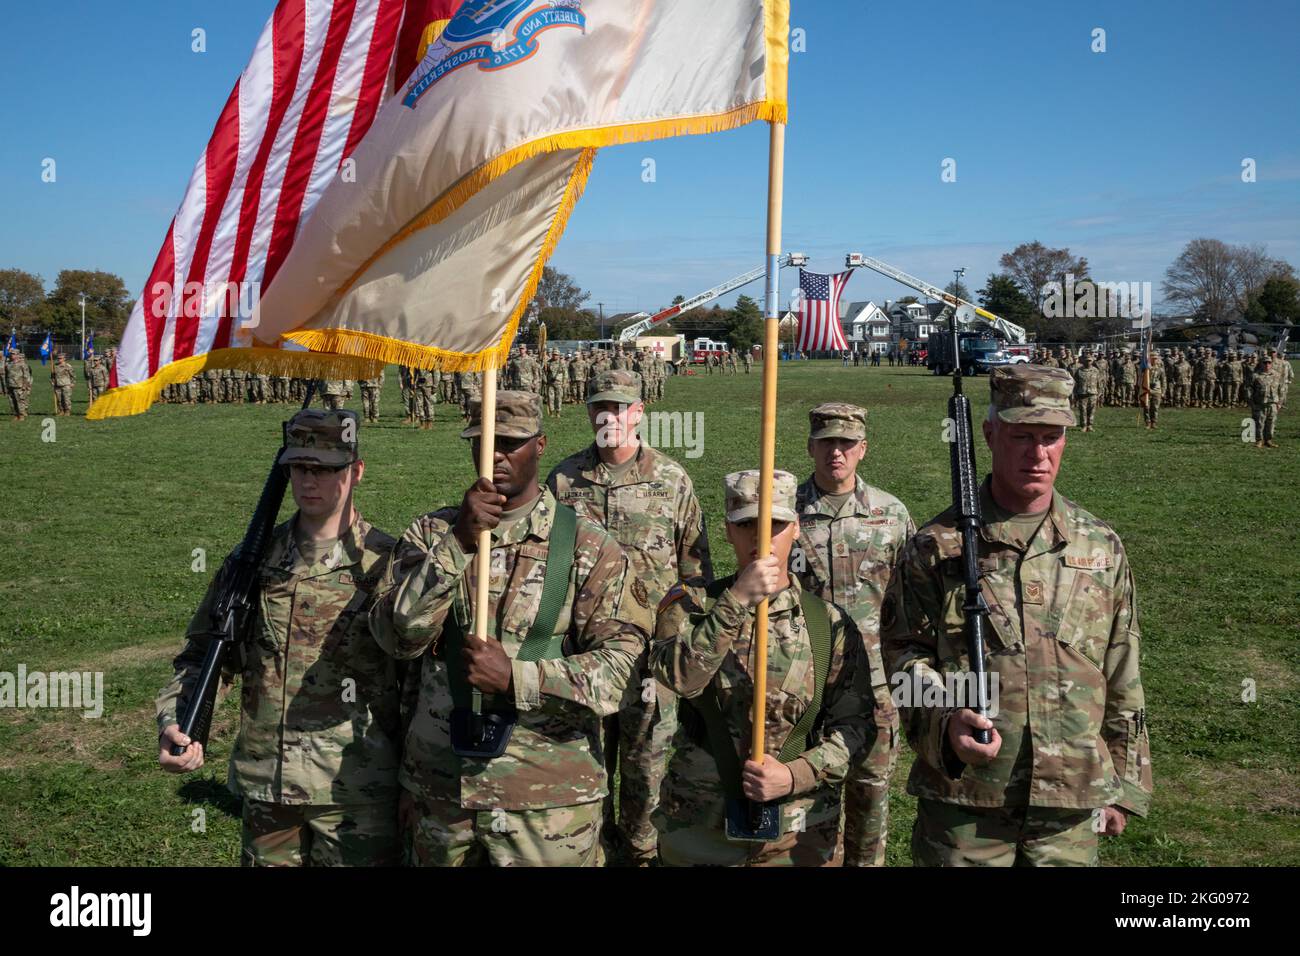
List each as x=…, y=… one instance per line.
x=137, y=397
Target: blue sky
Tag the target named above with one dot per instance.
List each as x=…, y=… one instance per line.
x=1123, y=156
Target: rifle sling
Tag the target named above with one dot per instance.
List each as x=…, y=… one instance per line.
x=706, y=705
x=542, y=643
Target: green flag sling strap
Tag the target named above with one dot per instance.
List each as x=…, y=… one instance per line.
x=541, y=643
x=796, y=742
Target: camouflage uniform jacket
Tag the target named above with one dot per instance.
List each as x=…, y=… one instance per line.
x=1089, y=381
x=554, y=756
x=1157, y=378
x=846, y=558
x=62, y=376
x=18, y=374
x=693, y=648
x=306, y=736
x=1063, y=640
x=651, y=510
x=1265, y=390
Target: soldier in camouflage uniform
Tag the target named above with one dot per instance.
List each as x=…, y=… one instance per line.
x=704, y=652
x=1151, y=404
x=849, y=536
x=18, y=383
x=317, y=753
x=749, y=360
x=1285, y=373
x=371, y=389
x=647, y=502
x=1069, y=755
x=332, y=392
x=423, y=390
x=404, y=376
x=1265, y=399
x=1088, y=387
x=87, y=371
x=62, y=380
x=539, y=803
x=210, y=385
x=557, y=378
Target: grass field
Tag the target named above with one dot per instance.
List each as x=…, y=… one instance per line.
x=98, y=529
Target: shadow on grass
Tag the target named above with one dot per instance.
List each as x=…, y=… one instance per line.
x=213, y=793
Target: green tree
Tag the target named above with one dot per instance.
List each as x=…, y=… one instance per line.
x=1277, y=300
x=557, y=290
x=958, y=289
x=21, y=294
x=1033, y=265
x=745, y=325
x=107, y=305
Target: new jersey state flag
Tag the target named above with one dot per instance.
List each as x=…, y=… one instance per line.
x=430, y=252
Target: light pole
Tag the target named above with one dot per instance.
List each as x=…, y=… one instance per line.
x=83, y=325
x=956, y=282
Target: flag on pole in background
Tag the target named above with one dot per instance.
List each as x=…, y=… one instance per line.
x=819, y=311
x=13, y=341
x=47, y=347
x=90, y=345
x=467, y=177
x=317, y=77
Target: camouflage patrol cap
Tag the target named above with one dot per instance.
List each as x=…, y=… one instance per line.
x=614, y=385
x=742, y=496
x=838, y=420
x=321, y=436
x=1031, y=394
x=519, y=415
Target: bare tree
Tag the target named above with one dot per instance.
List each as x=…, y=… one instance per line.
x=1215, y=280
x=1033, y=265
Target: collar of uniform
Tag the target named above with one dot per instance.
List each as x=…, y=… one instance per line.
x=1056, y=523
x=595, y=470
x=814, y=500
x=536, y=524
x=283, y=550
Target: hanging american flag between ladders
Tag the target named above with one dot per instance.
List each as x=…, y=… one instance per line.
x=819, y=311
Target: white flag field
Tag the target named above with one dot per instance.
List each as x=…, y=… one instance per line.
x=429, y=251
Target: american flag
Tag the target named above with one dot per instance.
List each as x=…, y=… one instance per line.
x=317, y=76
x=819, y=311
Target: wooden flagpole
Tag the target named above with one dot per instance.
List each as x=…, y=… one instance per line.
x=767, y=459
x=486, y=450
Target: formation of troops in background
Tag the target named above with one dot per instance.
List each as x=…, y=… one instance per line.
x=1193, y=377
x=612, y=645
x=1180, y=378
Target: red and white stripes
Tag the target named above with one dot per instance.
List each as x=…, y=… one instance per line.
x=316, y=78
x=819, y=311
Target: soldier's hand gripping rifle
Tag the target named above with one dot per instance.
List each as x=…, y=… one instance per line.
x=966, y=506
x=233, y=604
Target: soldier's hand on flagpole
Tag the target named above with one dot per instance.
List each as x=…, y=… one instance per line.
x=761, y=579
x=191, y=759
x=480, y=510
x=961, y=735
x=770, y=780
x=487, y=666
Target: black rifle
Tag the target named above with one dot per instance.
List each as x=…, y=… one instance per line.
x=234, y=604
x=966, y=506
